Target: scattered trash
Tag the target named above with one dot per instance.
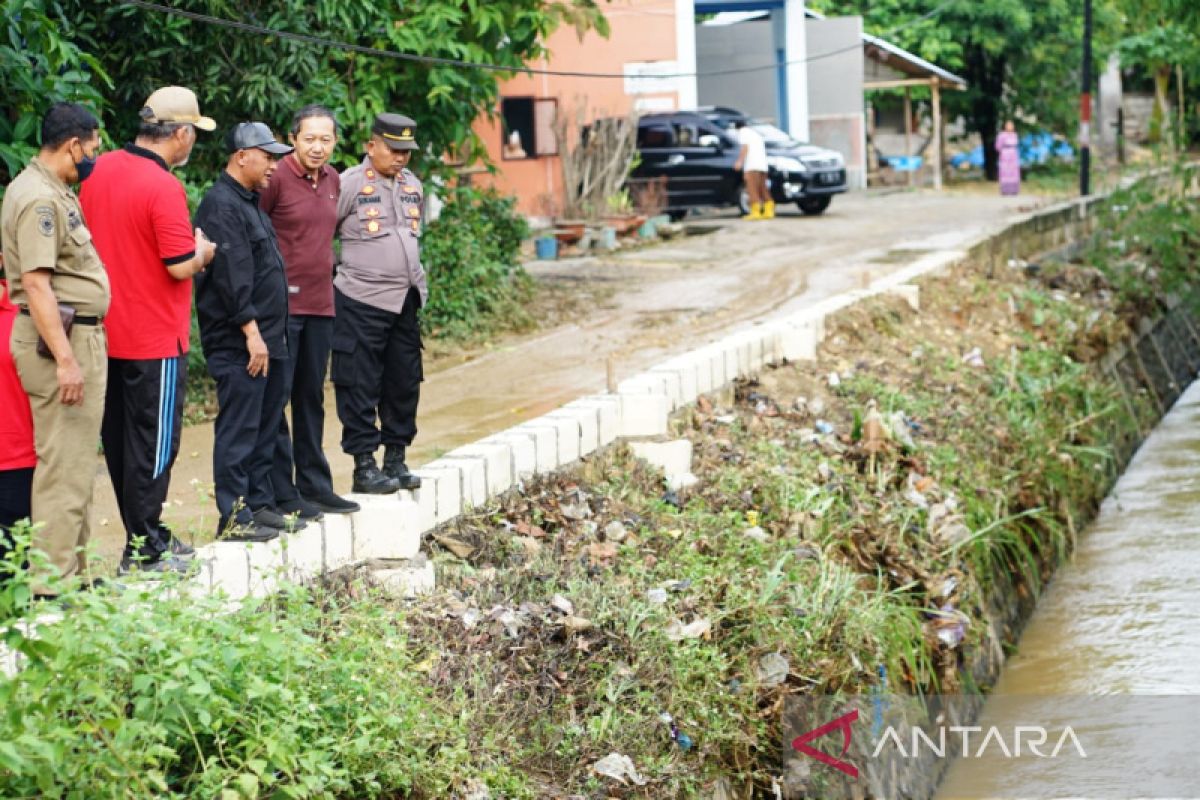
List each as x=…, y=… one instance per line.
x=950, y=625
x=656, y=596
x=834, y=379
x=806, y=552
x=725, y=419
x=824, y=472
x=470, y=618
x=615, y=531
x=620, y=768
x=671, y=498
x=756, y=533
x=575, y=511
x=773, y=669
x=816, y=406
x=677, y=586
x=573, y=624
x=562, y=604
x=899, y=427
x=457, y=546
x=677, y=631
x=822, y=427
x=476, y=790
x=679, y=737
x=974, y=358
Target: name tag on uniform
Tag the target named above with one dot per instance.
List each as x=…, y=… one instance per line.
x=367, y=199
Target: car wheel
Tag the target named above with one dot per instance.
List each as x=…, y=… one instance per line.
x=677, y=215
x=742, y=201
x=813, y=206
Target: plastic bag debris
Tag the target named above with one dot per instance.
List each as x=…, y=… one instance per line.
x=620, y=768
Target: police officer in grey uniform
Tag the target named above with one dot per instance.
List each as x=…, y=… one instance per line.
x=379, y=288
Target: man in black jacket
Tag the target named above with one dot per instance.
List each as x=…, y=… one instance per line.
x=242, y=307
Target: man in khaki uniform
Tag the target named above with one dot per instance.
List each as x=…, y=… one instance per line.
x=53, y=270
x=379, y=289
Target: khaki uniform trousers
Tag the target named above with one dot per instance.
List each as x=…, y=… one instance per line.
x=66, y=439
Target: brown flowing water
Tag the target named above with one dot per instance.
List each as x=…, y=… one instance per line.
x=1116, y=631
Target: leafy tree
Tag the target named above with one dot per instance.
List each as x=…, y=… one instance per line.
x=1167, y=36
x=38, y=65
x=1020, y=57
x=240, y=75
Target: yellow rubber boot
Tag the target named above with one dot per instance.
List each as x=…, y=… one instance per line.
x=755, y=211
x=769, y=210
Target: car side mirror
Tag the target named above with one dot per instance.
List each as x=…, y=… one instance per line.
x=711, y=140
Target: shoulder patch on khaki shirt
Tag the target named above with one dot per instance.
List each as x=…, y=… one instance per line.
x=45, y=220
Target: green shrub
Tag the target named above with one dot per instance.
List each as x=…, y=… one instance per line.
x=470, y=253
x=135, y=695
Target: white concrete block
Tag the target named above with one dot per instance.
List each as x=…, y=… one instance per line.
x=704, y=360
x=567, y=436
x=472, y=478
x=409, y=580
x=545, y=440
x=799, y=340
x=426, y=500
x=338, y=545
x=909, y=293
x=446, y=486
x=607, y=408
x=673, y=458
x=304, y=553
x=387, y=530
x=230, y=566
x=266, y=565
x=523, y=451
x=643, y=414
x=684, y=372
x=587, y=417
x=497, y=463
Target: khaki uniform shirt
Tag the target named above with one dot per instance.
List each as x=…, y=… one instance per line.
x=41, y=227
x=379, y=223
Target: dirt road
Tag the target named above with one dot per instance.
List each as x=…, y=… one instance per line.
x=656, y=302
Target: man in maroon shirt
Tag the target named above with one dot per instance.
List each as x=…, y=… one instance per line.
x=302, y=203
x=138, y=215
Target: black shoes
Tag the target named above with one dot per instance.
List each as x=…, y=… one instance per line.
x=161, y=566
x=331, y=503
x=248, y=532
x=395, y=468
x=180, y=549
x=300, y=507
x=369, y=480
x=267, y=517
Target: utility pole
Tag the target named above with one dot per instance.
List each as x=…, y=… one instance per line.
x=1085, y=105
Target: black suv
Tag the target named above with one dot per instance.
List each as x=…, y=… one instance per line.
x=696, y=151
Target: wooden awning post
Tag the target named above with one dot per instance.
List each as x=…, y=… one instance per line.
x=912, y=173
x=937, y=133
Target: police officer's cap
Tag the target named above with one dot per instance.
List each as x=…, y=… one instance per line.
x=250, y=135
x=397, y=130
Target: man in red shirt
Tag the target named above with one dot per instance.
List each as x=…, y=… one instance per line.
x=302, y=203
x=17, y=457
x=138, y=215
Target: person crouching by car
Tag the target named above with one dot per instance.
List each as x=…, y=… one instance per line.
x=752, y=161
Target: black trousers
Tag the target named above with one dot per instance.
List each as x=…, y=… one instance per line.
x=299, y=466
x=16, y=486
x=376, y=373
x=143, y=412
x=248, y=415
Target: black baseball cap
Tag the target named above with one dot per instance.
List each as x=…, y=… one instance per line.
x=255, y=135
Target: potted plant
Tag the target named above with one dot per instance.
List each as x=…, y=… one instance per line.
x=621, y=216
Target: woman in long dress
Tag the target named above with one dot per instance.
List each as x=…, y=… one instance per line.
x=1007, y=145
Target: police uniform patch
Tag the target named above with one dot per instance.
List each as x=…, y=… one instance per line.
x=368, y=190
x=73, y=219
x=414, y=212
x=372, y=227
x=416, y=226
x=363, y=200
x=45, y=221
x=372, y=212
x=370, y=174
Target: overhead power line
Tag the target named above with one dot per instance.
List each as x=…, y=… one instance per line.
x=262, y=30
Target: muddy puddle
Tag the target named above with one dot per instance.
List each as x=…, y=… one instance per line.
x=1118, y=622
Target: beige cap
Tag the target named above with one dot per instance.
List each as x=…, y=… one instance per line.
x=176, y=104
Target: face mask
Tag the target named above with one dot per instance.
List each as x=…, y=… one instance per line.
x=85, y=167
